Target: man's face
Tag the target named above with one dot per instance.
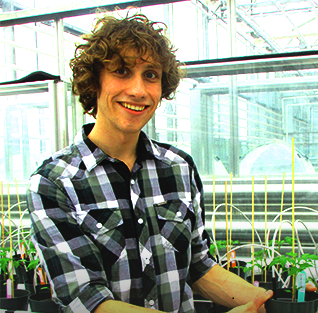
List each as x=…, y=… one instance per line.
x=129, y=97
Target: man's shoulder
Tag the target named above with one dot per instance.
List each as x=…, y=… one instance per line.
x=173, y=154
x=63, y=162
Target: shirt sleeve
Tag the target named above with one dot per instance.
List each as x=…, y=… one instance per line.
x=201, y=261
x=71, y=260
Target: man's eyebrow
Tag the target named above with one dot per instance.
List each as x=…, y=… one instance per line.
x=156, y=66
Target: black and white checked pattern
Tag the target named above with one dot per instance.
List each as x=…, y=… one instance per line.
x=105, y=233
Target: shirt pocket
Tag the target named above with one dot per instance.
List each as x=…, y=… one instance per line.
x=175, y=219
x=105, y=227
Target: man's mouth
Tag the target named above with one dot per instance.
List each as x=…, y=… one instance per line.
x=133, y=107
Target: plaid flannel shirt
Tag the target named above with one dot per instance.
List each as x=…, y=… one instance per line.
x=103, y=232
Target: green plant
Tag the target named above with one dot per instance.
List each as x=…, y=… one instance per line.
x=259, y=261
x=294, y=265
x=220, y=245
x=5, y=260
x=261, y=258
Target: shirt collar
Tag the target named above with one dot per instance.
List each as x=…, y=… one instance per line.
x=93, y=156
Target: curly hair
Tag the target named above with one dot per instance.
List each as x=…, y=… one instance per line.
x=106, y=47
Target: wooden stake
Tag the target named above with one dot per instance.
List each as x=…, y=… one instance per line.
x=281, y=210
x=231, y=211
x=227, y=230
x=214, y=204
x=253, y=239
x=2, y=225
x=293, y=212
x=265, y=251
x=18, y=198
x=10, y=236
x=2, y=219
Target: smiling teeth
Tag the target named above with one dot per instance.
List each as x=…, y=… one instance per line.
x=133, y=107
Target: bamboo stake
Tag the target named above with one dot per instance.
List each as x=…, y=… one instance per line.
x=19, y=206
x=227, y=230
x=2, y=225
x=214, y=204
x=253, y=239
x=293, y=211
x=281, y=210
x=266, y=243
x=231, y=210
x=2, y=214
x=10, y=236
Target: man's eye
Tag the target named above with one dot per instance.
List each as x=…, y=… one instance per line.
x=121, y=71
x=151, y=75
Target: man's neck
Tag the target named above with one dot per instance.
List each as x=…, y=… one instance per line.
x=120, y=146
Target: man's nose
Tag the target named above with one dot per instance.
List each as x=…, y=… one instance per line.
x=136, y=86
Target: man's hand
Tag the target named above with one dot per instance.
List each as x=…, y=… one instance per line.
x=310, y=287
x=255, y=305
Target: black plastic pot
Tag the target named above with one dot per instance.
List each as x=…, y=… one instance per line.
x=3, y=283
x=284, y=303
x=18, y=303
x=266, y=285
x=20, y=270
x=236, y=270
x=217, y=308
x=201, y=304
x=30, y=287
x=42, y=302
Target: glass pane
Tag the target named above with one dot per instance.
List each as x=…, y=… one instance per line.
x=25, y=133
x=186, y=30
x=246, y=120
x=263, y=27
x=27, y=48
x=17, y=5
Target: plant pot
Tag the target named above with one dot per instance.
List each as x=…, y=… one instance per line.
x=201, y=304
x=20, y=270
x=42, y=302
x=30, y=287
x=18, y=303
x=236, y=270
x=284, y=303
x=216, y=308
x=3, y=283
x=260, y=279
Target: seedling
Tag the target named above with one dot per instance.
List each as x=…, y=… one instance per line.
x=220, y=245
x=5, y=260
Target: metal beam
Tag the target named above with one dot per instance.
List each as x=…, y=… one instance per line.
x=259, y=64
x=258, y=30
x=268, y=85
x=73, y=9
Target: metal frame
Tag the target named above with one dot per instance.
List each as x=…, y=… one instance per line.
x=73, y=9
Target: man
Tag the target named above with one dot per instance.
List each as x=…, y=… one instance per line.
x=117, y=216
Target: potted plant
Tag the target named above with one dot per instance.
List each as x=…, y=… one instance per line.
x=41, y=298
x=6, y=262
x=235, y=265
x=11, y=298
x=263, y=277
x=32, y=262
x=285, y=300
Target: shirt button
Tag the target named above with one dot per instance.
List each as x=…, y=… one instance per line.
x=151, y=302
x=179, y=213
x=99, y=225
x=147, y=261
x=132, y=182
x=140, y=220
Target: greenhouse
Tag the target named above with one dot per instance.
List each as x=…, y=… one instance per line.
x=246, y=110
